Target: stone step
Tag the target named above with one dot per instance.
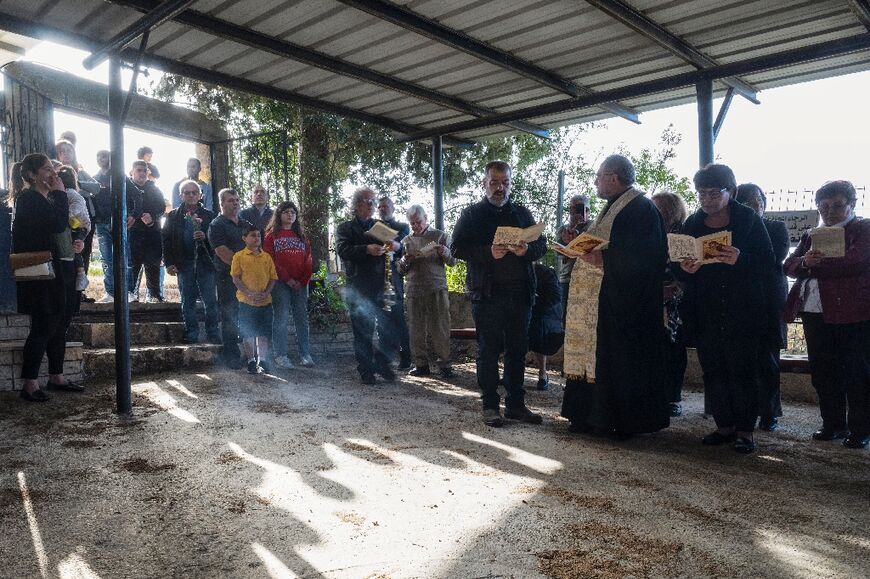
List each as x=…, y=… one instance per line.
x=100, y=362
x=102, y=334
x=12, y=356
x=139, y=312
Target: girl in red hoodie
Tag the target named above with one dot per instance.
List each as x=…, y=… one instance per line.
x=291, y=253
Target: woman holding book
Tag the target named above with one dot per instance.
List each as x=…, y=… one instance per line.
x=832, y=297
x=727, y=311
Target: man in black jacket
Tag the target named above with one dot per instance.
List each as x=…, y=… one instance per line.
x=145, y=207
x=386, y=211
x=187, y=254
x=363, y=259
x=501, y=284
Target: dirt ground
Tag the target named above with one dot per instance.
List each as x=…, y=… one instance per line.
x=312, y=474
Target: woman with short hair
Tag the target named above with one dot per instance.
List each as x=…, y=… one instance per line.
x=832, y=297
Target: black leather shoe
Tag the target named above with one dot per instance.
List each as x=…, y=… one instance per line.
x=856, y=441
x=66, y=387
x=676, y=409
x=744, y=445
x=523, y=414
x=35, y=396
x=420, y=371
x=829, y=434
x=716, y=438
x=768, y=423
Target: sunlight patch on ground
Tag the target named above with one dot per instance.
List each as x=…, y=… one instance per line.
x=204, y=377
x=387, y=504
x=163, y=400
x=804, y=556
x=181, y=388
x=75, y=567
x=444, y=388
x=274, y=567
x=535, y=462
x=770, y=458
x=35, y=535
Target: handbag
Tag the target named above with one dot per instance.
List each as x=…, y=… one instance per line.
x=31, y=266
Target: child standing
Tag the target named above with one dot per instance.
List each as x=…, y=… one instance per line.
x=254, y=275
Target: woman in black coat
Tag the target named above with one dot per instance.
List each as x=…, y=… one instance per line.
x=728, y=305
x=41, y=214
x=546, y=333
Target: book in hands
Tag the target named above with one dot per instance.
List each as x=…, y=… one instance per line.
x=413, y=248
x=505, y=235
x=382, y=233
x=580, y=245
x=831, y=241
x=701, y=249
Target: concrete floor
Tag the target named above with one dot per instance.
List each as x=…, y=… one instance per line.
x=313, y=475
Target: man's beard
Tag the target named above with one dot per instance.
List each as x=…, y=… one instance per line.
x=498, y=202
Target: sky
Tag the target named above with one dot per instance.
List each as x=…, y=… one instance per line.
x=799, y=137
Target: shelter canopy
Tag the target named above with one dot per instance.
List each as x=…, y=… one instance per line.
x=427, y=67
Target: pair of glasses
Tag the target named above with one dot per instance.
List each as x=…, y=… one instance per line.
x=712, y=193
x=827, y=207
x=286, y=211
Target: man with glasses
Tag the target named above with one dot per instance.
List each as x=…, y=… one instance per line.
x=364, y=264
x=614, y=334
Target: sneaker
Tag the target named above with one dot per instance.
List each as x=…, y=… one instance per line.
x=448, y=373
x=420, y=371
x=404, y=363
x=82, y=281
x=743, y=445
x=768, y=423
x=307, y=361
x=253, y=367
x=543, y=383
x=523, y=414
x=492, y=417
x=106, y=299
x=676, y=409
x=284, y=363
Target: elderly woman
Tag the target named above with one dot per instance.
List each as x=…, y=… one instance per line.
x=728, y=308
x=41, y=214
x=674, y=213
x=775, y=290
x=832, y=297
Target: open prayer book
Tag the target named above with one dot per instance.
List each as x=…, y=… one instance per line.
x=424, y=251
x=382, y=233
x=505, y=235
x=580, y=245
x=701, y=249
x=831, y=241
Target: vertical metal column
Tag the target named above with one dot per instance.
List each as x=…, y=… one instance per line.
x=438, y=181
x=124, y=396
x=212, y=159
x=704, y=90
x=284, y=166
x=560, y=200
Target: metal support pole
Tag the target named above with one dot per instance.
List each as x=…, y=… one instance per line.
x=560, y=200
x=124, y=395
x=704, y=90
x=212, y=158
x=438, y=180
x=723, y=110
x=284, y=162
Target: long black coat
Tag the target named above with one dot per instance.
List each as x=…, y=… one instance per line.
x=776, y=285
x=37, y=221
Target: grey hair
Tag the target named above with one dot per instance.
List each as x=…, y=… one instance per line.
x=622, y=167
x=358, y=194
x=187, y=182
x=415, y=211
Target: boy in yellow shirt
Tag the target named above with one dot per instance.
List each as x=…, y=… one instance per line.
x=254, y=275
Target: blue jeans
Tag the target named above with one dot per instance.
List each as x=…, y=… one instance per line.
x=286, y=300
x=196, y=279
x=104, y=237
x=502, y=323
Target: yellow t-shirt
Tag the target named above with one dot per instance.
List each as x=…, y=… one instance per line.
x=256, y=270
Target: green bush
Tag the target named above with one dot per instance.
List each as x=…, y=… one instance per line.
x=456, y=277
x=326, y=309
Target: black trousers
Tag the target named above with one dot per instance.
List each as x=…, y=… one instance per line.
x=229, y=309
x=730, y=366
x=366, y=312
x=146, y=251
x=839, y=357
x=47, y=335
x=769, y=402
x=676, y=360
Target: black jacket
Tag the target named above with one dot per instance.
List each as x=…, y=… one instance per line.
x=173, y=236
x=472, y=243
x=364, y=271
x=776, y=286
x=546, y=333
x=145, y=199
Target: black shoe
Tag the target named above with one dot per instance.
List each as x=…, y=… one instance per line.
x=35, y=396
x=67, y=387
x=253, y=367
x=387, y=374
x=447, y=373
x=716, y=438
x=368, y=379
x=420, y=371
x=492, y=417
x=768, y=423
x=543, y=383
x=744, y=445
x=829, y=434
x=855, y=441
x=523, y=414
x=404, y=361
x=676, y=409
x=265, y=367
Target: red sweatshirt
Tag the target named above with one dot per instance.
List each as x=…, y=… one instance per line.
x=291, y=254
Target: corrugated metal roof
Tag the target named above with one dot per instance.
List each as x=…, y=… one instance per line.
x=572, y=39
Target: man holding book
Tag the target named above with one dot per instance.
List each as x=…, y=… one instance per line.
x=614, y=334
x=501, y=284
x=578, y=222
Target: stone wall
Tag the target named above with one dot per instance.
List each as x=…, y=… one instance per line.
x=13, y=332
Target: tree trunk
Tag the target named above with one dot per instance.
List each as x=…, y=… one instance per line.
x=314, y=179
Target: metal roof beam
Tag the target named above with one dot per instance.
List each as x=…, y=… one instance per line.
x=259, y=41
x=32, y=29
x=429, y=28
x=640, y=23
x=861, y=8
x=723, y=111
x=750, y=66
x=155, y=17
